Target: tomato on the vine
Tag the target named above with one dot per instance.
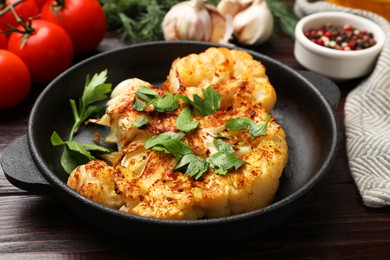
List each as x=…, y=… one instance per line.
x=47, y=49
x=24, y=9
x=3, y=41
x=15, y=80
x=83, y=20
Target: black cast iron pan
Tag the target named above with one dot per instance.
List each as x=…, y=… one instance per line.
x=305, y=108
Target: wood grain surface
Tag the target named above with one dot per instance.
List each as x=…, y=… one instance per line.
x=333, y=224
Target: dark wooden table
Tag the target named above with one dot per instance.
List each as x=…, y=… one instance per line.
x=334, y=223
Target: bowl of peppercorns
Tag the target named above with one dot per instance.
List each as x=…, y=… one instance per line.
x=339, y=45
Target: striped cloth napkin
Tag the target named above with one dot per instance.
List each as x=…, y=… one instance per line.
x=367, y=116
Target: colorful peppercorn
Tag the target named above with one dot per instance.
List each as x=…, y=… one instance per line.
x=344, y=38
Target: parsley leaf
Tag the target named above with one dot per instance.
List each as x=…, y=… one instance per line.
x=170, y=102
x=184, y=121
x=188, y=163
x=169, y=142
x=192, y=165
x=146, y=93
x=74, y=154
x=141, y=121
x=166, y=103
x=223, y=146
x=95, y=90
x=224, y=162
x=244, y=123
x=224, y=159
x=210, y=103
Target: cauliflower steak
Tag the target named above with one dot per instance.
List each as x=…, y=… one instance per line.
x=229, y=161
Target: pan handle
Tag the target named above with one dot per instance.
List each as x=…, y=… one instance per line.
x=20, y=169
x=327, y=87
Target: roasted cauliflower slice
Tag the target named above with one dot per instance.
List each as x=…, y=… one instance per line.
x=234, y=73
x=145, y=182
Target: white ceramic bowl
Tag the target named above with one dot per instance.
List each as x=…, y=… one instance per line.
x=335, y=64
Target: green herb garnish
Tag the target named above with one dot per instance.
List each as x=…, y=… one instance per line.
x=141, y=121
x=75, y=153
x=95, y=90
x=184, y=121
x=224, y=159
x=170, y=102
x=192, y=165
x=209, y=104
x=147, y=96
x=166, y=103
x=244, y=123
x=169, y=142
x=146, y=93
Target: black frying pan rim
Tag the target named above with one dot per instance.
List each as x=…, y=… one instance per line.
x=57, y=183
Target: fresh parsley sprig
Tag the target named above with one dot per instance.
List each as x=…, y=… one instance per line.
x=95, y=90
x=207, y=105
x=76, y=153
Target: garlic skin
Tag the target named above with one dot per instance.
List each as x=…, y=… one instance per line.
x=222, y=27
x=194, y=20
x=253, y=22
x=232, y=7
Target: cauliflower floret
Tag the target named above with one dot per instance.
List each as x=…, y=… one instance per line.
x=234, y=73
x=95, y=181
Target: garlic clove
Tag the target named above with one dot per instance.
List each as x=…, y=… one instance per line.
x=254, y=25
x=188, y=20
x=232, y=7
x=194, y=25
x=222, y=30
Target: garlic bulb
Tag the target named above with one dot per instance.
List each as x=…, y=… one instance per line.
x=194, y=20
x=252, y=24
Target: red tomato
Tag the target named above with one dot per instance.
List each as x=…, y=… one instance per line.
x=15, y=80
x=3, y=41
x=25, y=10
x=40, y=3
x=84, y=21
x=47, y=52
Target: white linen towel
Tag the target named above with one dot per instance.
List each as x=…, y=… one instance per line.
x=367, y=116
